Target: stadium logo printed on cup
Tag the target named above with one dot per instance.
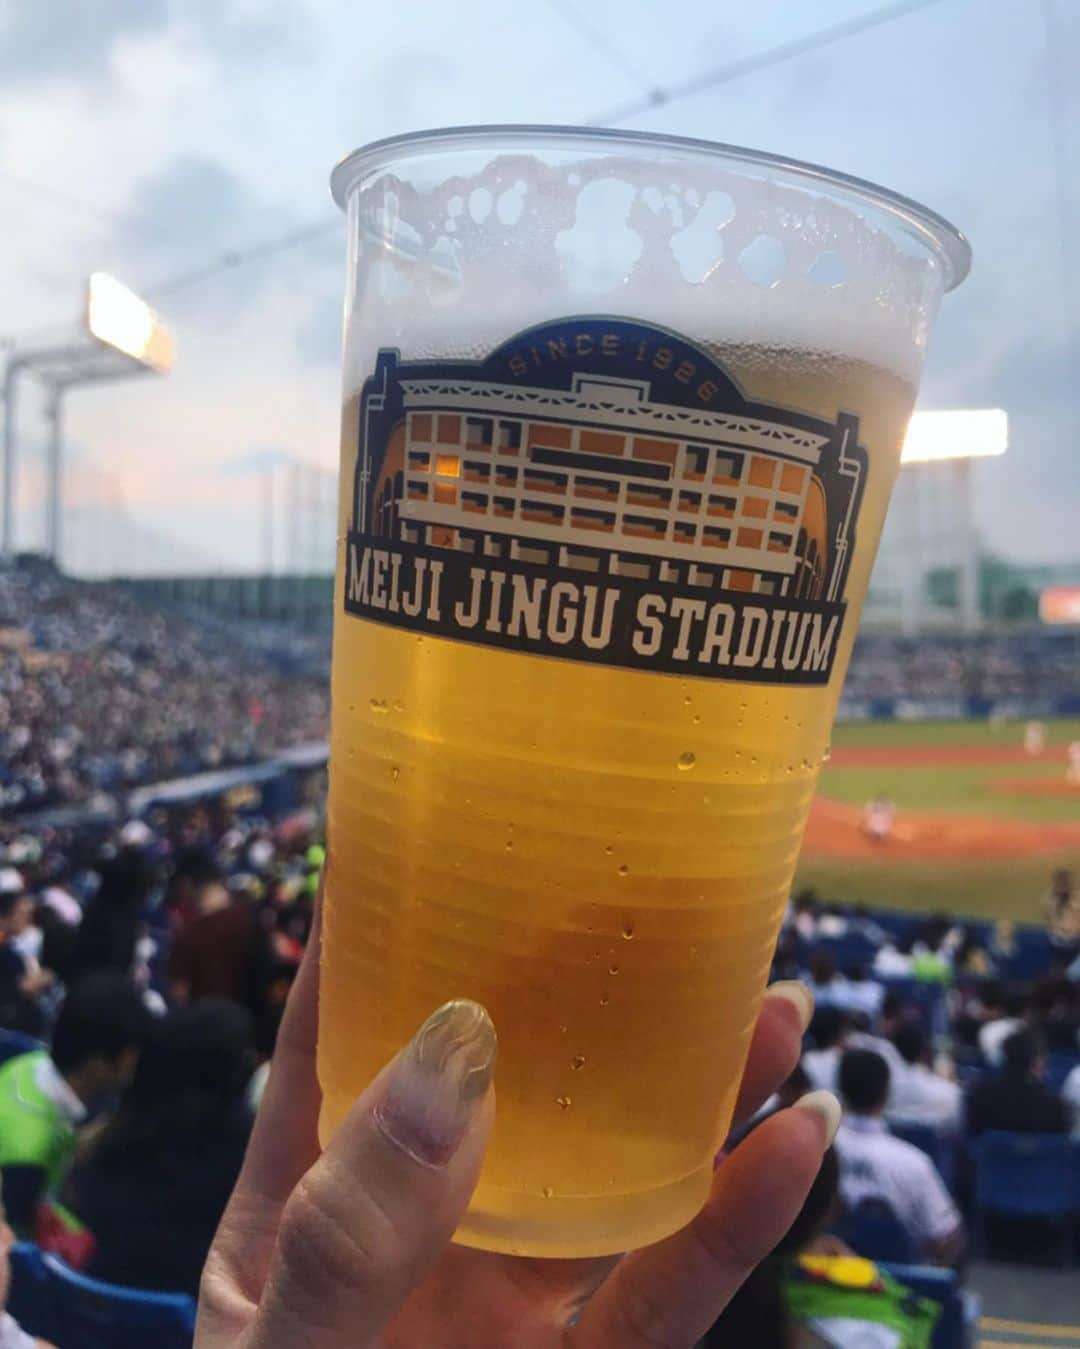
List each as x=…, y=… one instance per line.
x=599, y=490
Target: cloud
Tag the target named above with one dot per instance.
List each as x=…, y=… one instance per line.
x=37, y=44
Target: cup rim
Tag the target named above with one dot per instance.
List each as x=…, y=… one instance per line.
x=938, y=235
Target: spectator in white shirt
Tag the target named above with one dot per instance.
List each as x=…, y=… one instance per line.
x=917, y=1095
x=829, y=1031
x=875, y=1165
x=1070, y=1094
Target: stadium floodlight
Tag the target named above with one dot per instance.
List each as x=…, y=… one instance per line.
x=118, y=318
x=126, y=338
x=971, y=433
x=1060, y=604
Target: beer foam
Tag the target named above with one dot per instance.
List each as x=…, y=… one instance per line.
x=721, y=251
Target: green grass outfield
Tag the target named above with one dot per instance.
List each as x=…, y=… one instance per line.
x=1010, y=887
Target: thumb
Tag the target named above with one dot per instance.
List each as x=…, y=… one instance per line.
x=368, y=1221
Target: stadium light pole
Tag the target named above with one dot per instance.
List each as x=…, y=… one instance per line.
x=123, y=337
x=958, y=436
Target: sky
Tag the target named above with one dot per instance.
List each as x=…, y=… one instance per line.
x=149, y=138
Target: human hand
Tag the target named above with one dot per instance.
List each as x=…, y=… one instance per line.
x=352, y=1250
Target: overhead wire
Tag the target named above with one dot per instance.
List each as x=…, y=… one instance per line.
x=763, y=60
x=652, y=97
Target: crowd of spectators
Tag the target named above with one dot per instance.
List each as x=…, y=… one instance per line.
x=931, y=1041
x=1028, y=667
x=143, y=973
x=100, y=691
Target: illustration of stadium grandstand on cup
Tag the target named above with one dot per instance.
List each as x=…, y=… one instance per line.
x=607, y=476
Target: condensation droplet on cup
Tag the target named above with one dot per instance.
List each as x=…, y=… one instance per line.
x=609, y=849
x=395, y=773
x=548, y=1192
x=378, y=705
x=696, y=719
x=628, y=933
x=605, y=998
x=613, y=969
x=624, y=870
x=509, y=845
x=687, y=759
x=563, y=1102
x=577, y=1063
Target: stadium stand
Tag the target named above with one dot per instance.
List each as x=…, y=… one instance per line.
x=161, y=821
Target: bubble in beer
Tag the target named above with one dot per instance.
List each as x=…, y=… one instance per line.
x=687, y=759
x=624, y=870
x=605, y=998
x=563, y=1102
x=613, y=969
x=378, y=705
x=548, y=1192
x=609, y=849
x=395, y=773
x=577, y=1063
x=628, y=933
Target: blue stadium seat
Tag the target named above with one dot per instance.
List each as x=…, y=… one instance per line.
x=872, y=1229
x=14, y=1042
x=957, y=1327
x=939, y=1147
x=1024, y=1176
x=1059, y=1064
x=74, y=1312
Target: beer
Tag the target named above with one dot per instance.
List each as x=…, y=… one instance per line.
x=599, y=856
x=622, y=414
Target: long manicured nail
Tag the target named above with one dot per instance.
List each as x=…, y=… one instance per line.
x=437, y=1083
x=798, y=995
x=825, y=1104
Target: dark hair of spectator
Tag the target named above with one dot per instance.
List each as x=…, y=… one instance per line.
x=863, y=1080
x=892, y=1006
x=829, y=1026
x=1021, y=1051
x=9, y=902
x=806, y=901
x=910, y=1042
x=191, y=1074
x=109, y=929
x=102, y=1016
x=822, y=967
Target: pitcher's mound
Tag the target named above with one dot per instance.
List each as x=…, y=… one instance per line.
x=836, y=830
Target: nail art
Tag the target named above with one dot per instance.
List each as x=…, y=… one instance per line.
x=437, y=1083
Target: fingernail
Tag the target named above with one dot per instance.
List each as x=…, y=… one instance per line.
x=798, y=995
x=437, y=1083
x=825, y=1104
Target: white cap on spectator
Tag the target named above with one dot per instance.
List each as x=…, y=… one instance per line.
x=136, y=834
x=11, y=881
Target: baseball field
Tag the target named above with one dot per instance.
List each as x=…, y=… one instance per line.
x=980, y=822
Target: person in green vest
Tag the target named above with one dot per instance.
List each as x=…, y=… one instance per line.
x=46, y=1094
